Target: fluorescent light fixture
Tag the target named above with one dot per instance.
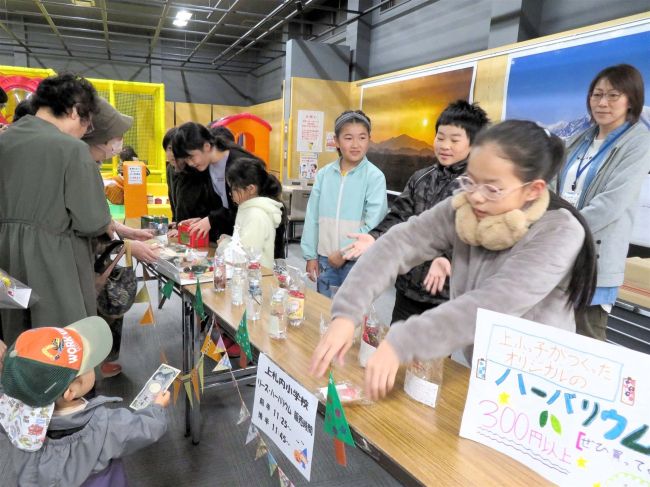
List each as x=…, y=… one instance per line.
x=182, y=18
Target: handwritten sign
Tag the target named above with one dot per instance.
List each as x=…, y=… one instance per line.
x=286, y=412
x=310, y=131
x=134, y=175
x=308, y=165
x=573, y=409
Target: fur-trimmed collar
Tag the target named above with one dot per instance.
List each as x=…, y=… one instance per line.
x=497, y=232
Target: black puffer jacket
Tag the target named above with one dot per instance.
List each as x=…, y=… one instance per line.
x=425, y=188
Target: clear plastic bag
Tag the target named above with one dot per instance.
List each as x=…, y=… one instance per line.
x=349, y=394
x=372, y=333
x=423, y=381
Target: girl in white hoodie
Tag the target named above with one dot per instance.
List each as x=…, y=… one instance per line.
x=257, y=195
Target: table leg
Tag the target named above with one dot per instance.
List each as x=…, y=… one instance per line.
x=194, y=349
x=186, y=311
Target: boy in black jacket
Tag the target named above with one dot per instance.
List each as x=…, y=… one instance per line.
x=456, y=128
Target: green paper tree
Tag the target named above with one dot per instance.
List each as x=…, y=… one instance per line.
x=242, y=336
x=335, y=422
x=167, y=289
x=198, y=301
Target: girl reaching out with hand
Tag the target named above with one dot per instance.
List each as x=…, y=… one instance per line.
x=517, y=249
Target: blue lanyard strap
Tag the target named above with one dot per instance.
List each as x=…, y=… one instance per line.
x=602, y=150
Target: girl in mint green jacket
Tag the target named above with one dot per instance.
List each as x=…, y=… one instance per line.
x=349, y=196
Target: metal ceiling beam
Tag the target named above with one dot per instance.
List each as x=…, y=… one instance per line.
x=210, y=33
x=102, y=4
x=11, y=34
x=49, y=20
x=352, y=19
x=156, y=35
x=274, y=12
x=260, y=37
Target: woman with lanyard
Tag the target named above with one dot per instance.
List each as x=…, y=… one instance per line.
x=606, y=166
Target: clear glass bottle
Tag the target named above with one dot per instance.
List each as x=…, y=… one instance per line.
x=254, y=300
x=296, y=299
x=219, y=273
x=277, y=319
x=423, y=380
x=237, y=286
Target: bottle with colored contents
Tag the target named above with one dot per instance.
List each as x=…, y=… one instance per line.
x=219, y=273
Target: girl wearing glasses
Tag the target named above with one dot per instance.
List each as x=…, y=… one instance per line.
x=605, y=169
x=516, y=248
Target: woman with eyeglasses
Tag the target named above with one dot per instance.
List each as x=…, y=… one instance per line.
x=51, y=204
x=602, y=178
x=516, y=248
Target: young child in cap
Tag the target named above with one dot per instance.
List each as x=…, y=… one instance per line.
x=58, y=437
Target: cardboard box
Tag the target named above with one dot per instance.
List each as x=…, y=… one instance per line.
x=636, y=286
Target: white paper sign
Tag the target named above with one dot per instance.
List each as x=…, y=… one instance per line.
x=421, y=390
x=310, y=131
x=574, y=409
x=286, y=412
x=330, y=143
x=135, y=175
x=308, y=165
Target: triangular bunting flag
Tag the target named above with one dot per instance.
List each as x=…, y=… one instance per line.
x=224, y=364
x=243, y=414
x=201, y=376
x=252, y=433
x=188, y=390
x=272, y=464
x=262, y=449
x=195, y=383
x=242, y=337
x=143, y=295
x=210, y=346
x=145, y=274
x=284, y=480
x=167, y=289
x=221, y=347
x=335, y=422
x=177, y=389
x=198, y=301
x=147, y=317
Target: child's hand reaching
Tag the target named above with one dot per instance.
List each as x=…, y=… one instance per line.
x=3, y=349
x=356, y=249
x=438, y=271
x=162, y=399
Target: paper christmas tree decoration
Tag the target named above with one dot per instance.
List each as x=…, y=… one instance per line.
x=272, y=464
x=198, y=301
x=224, y=364
x=167, y=289
x=335, y=422
x=252, y=433
x=262, y=449
x=147, y=317
x=242, y=336
x=243, y=414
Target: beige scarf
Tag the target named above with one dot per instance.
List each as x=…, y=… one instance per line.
x=496, y=232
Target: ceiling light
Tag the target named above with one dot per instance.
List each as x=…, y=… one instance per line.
x=182, y=18
x=84, y=3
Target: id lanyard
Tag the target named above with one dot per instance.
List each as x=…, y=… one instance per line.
x=603, y=148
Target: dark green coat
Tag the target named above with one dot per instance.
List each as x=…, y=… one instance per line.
x=51, y=202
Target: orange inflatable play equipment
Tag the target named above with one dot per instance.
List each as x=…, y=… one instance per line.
x=251, y=132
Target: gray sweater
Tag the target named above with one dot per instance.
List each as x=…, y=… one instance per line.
x=105, y=434
x=612, y=197
x=528, y=280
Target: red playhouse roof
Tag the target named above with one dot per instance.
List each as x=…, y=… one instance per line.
x=225, y=121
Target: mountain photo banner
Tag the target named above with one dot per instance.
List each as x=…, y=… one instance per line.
x=549, y=84
x=404, y=112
